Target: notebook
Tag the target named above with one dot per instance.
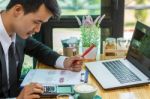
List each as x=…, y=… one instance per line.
x=129, y=71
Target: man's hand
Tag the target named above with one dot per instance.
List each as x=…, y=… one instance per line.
x=73, y=63
x=31, y=91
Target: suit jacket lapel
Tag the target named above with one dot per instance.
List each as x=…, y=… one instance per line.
x=19, y=59
x=20, y=53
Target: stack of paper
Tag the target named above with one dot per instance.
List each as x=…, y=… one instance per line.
x=54, y=77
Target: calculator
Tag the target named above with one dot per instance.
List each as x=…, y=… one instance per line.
x=56, y=90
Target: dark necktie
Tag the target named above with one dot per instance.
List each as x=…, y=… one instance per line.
x=4, y=90
x=12, y=70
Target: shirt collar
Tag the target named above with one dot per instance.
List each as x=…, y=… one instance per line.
x=5, y=39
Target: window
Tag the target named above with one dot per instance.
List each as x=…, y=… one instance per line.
x=135, y=10
x=112, y=25
x=63, y=33
x=80, y=7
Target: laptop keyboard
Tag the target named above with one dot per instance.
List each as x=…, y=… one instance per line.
x=121, y=72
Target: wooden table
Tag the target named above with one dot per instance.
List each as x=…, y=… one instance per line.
x=138, y=92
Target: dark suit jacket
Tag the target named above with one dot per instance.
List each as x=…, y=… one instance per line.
x=30, y=47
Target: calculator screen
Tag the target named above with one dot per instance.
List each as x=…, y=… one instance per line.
x=64, y=89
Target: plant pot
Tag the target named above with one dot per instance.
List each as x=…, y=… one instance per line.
x=91, y=55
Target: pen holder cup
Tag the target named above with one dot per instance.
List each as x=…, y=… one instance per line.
x=70, y=51
x=70, y=46
x=85, y=91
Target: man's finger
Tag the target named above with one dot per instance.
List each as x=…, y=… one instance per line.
x=76, y=58
x=77, y=66
x=77, y=69
x=36, y=85
x=34, y=96
x=35, y=90
x=79, y=62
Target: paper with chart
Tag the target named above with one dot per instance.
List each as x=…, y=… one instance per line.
x=53, y=77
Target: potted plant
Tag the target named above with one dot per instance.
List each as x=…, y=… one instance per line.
x=90, y=33
x=90, y=30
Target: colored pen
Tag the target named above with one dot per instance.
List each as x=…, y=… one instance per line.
x=88, y=50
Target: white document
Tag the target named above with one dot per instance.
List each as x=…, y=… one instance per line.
x=53, y=77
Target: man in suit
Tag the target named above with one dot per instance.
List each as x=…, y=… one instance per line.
x=20, y=20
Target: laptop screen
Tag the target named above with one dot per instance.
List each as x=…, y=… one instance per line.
x=139, y=50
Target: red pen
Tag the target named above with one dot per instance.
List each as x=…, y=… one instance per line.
x=86, y=52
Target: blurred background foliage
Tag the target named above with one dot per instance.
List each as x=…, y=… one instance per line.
x=141, y=15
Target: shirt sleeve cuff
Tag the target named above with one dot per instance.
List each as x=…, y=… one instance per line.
x=60, y=62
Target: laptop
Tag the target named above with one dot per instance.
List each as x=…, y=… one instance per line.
x=129, y=71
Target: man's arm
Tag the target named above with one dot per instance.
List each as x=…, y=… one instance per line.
x=40, y=51
x=45, y=55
